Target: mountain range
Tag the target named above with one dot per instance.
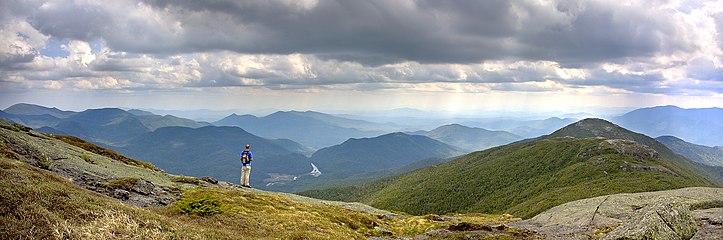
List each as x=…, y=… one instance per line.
x=312, y=129
x=589, y=158
x=105, y=126
x=702, y=126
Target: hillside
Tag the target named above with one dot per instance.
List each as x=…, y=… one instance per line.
x=56, y=187
x=312, y=129
x=529, y=177
x=712, y=156
x=469, y=138
x=699, y=125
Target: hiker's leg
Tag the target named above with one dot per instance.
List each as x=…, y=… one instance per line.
x=246, y=174
x=241, y=181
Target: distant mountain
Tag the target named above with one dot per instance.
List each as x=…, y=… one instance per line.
x=698, y=125
x=589, y=158
x=138, y=112
x=712, y=156
x=383, y=152
x=311, y=129
x=154, y=122
x=214, y=151
x=31, y=109
x=469, y=138
x=34, y=121
x=536, y=128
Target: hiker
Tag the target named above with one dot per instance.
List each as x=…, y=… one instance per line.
x=246, y=158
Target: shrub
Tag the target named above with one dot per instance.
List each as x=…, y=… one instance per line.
x=201, y=206
x=44, y=162
x=87, y=158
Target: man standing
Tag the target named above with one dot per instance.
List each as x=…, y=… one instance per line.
x=246, y=158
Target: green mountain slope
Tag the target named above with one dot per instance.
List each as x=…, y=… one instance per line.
x=529, y=177
x=712, y=156
x=469, y=138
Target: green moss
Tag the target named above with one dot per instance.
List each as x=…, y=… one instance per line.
x=126, y=183
x=184, y=179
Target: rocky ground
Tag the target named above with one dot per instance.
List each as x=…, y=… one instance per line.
x=674, y=214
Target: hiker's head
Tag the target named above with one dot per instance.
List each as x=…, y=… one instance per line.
x=248, y=147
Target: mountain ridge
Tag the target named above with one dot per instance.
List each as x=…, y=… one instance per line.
x=527, y=177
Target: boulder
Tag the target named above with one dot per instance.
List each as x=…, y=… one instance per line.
x=664, y=220
x=625, y=213
x=209, y=180
x=143, y=187
x=383, y=231
x=121, y=194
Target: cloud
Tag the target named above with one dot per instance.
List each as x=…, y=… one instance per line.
x=661, y=47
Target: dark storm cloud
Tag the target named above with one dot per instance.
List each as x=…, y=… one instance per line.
x=370, y=32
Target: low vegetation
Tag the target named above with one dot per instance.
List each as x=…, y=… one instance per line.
x=37, y=204
x=104, y=152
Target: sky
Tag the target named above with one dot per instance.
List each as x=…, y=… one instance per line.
x=361, y=55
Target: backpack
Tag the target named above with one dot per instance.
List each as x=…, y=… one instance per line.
x=245, y=157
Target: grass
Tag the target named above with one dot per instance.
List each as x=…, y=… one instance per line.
x=105, y=152
x=37, y=204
